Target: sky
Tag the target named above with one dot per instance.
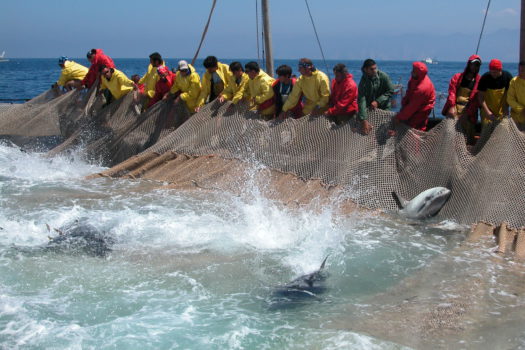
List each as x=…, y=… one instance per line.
x=446, y=30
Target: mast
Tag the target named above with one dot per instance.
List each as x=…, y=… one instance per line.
x=522, y=32
x=268, y=36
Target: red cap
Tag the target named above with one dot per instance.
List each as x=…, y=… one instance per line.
x=495, y=64
x=474, y=58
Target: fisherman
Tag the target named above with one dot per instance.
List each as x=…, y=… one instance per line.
x=163, y=84
x=235, y=88
x=418, y=101
x=97, y=59
x=313, y=85
x=516, y=97
x=116, y=82
x=214, y=80
x=187, y=86
x=343, y=100
x=151, y=77
x=71, y=76
x=492, y=93
x=259, y=90
x=375, y=91
x=282, y=87
x=462, y=102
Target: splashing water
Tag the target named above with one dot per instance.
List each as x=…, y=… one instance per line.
x=187, y=269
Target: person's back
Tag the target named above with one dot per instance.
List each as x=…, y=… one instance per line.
x=72, y=71
x=97, y=59
x=71, y=75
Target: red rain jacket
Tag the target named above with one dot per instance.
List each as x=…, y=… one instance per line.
x=419, y=99
x=455, y=83
x=343, y=99
x=162, y=87
x=100, y=59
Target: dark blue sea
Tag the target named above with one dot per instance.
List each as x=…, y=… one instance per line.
x=27, y=78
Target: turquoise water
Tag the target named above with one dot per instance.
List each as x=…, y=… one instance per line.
x=188, y=270
x=192, y=270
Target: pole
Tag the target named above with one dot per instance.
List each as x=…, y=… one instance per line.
x=268, y=36
x=204, y=33
x=522, y=32
x=483, y=26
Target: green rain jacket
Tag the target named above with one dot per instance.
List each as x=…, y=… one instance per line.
x=377, y=88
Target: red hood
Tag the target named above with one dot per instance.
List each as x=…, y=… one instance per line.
x=347, y=79
x=98, y=55
x=421, y=70
x=163, y=70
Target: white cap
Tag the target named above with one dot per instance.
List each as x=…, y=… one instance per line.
x=183, y=65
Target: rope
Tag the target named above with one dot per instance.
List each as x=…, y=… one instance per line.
x=263, y=54
x=204, y=33
x=483, y=26
x=318, y=42
x=257, y=31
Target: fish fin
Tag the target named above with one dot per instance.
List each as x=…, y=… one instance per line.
x=48, y=228
x=400, y=201
x=60, y=233
x=324, y=261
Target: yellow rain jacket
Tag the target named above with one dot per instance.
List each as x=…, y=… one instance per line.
x=260, y=89
x=315, y=89
x=149, y=80
x=190, y=88
x=224, y=73
x=516, y=99
x=119, y=84
x=234, y=91
x=72, y=71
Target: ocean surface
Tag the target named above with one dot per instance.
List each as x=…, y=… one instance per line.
x=198, y=271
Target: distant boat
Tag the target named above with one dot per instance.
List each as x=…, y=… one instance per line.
x=429, y=60
x=2, y=59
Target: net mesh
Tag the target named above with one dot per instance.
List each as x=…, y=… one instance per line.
x=486, y=181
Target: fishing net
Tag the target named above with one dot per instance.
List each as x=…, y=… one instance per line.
x=45, y=120
x=486, y=181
